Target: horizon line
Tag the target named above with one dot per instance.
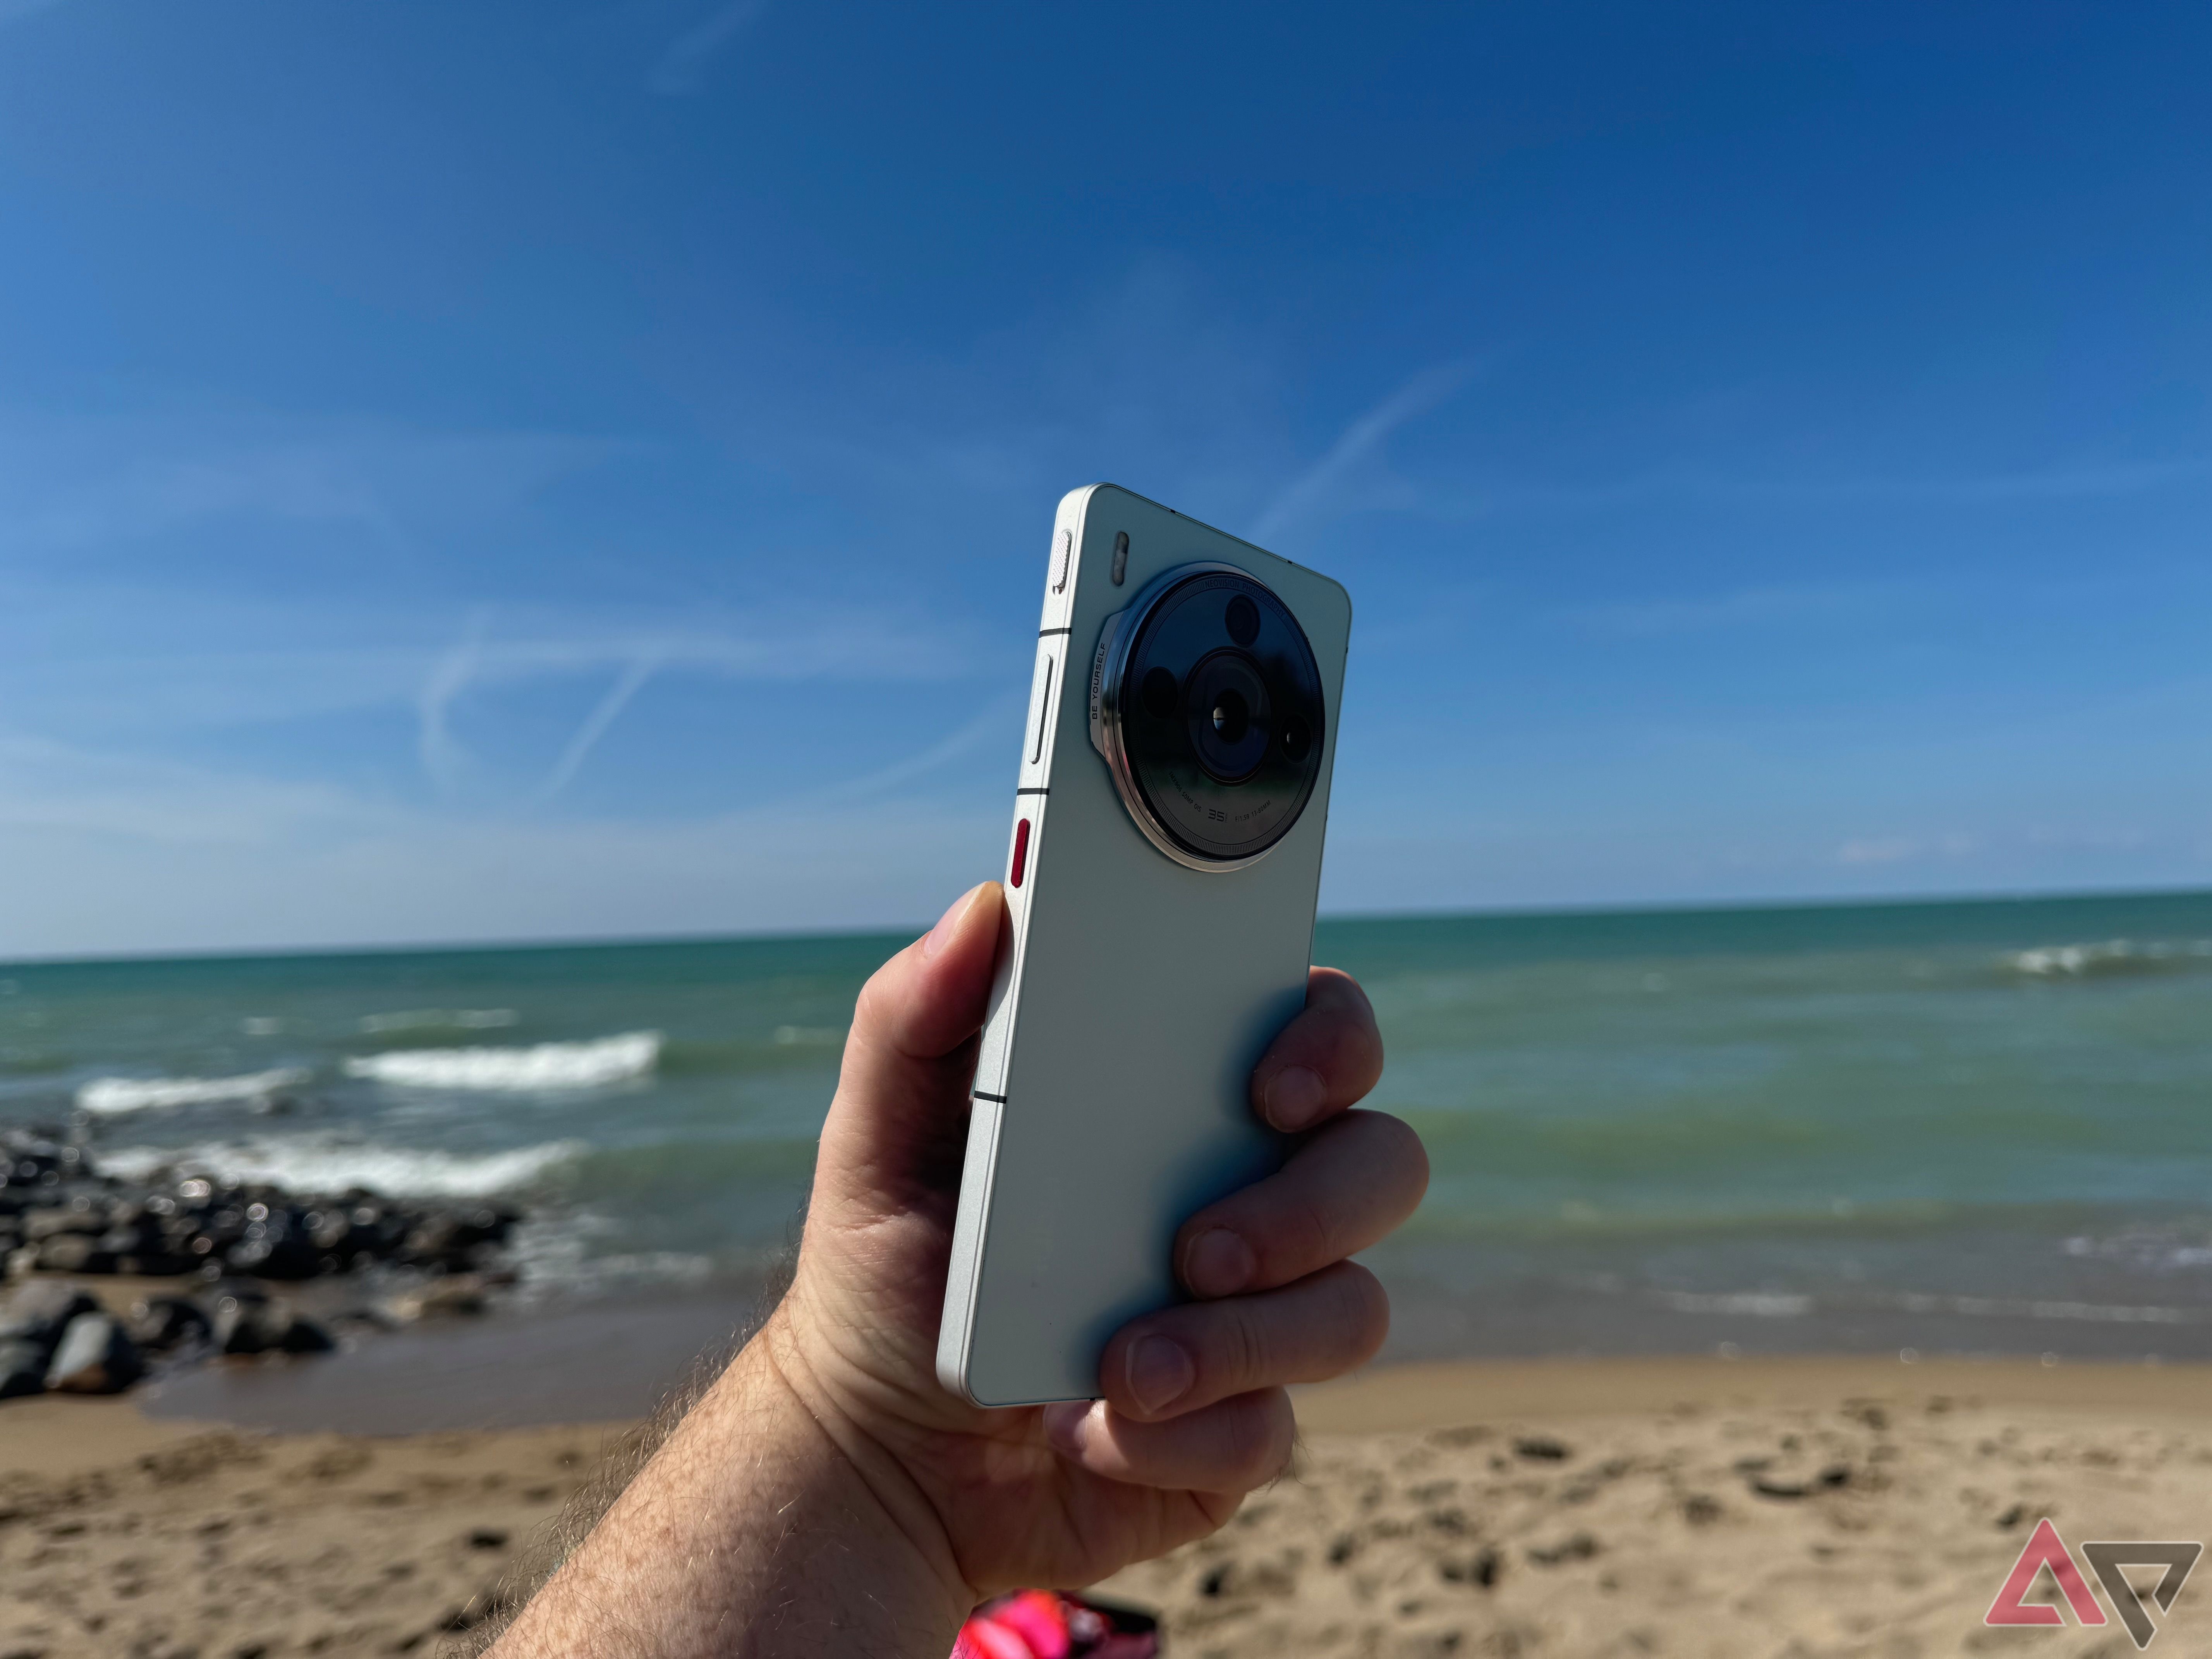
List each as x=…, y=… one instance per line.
x=648, y=941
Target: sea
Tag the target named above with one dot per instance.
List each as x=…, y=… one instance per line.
x=1969, y=1127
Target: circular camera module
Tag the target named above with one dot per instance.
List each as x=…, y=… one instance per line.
x=1209, y=706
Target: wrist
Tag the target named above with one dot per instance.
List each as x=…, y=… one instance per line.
x=760, y=1528
x=813, y=1377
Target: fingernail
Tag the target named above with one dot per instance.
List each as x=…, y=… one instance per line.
x=1066, y=1425
x=948, y=924
x=1294, y=1098
x=1218, y=1263
x=1160, y=1372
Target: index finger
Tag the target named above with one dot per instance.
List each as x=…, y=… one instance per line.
x=1323, y=1061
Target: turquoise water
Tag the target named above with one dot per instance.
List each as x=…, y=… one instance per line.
x=1959, y=1125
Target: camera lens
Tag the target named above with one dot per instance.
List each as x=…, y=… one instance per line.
x=1242, y=620
x=1229, y=716
x=1217, y=741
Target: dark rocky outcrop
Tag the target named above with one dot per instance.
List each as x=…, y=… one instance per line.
x=224, y=1242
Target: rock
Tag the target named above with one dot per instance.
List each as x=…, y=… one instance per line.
x=74, y=1253
x=94, y=1356
x=22, y=1367
x=1834, y=1476
x=243, y=1326
x=249, y=1325
x=1542, y=1447
x=451, y=1241
x=1580, y=1547
x=303, y=1335
x=456, y=1296
x=39, y=1313
x=78, y=1216
x=162, y=1322
x=271, y=1249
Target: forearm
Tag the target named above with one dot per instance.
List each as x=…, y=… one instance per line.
x=750, y=1532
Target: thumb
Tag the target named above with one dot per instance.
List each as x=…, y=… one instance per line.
x=902, y=1093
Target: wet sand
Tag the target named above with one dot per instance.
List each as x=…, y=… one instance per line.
x=1689, y=1506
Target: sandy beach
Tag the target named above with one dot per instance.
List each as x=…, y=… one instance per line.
x=1703, y=1506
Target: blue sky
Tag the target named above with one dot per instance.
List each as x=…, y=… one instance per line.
x=550, y=468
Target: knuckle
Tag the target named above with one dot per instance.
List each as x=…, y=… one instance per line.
x=1243, y=1348
x=1309, y=1234
x=1262, y=1437
x=1365, y=1308
x=1407, y=1153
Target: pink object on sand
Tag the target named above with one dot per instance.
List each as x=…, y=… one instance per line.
x=1038, y=1615
x=1043, y=1624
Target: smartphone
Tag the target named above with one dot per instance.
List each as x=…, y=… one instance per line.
x=1161, y=876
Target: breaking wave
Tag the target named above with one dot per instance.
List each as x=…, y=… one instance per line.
x=326, y=1164
x=112, y=1096
x=543, y=1066
x=440, y=1019
x=2111, y=957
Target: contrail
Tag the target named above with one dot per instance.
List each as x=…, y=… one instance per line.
x=595, y=723
x=1416, y=397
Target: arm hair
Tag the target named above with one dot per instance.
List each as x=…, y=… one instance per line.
x=490, y=1612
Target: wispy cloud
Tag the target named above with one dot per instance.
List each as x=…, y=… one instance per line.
x=443, y=757
x=681, y=69
x=994, y=722
x=105, y=851
x=861, y=646
x=1359, y=440
x=627, y=685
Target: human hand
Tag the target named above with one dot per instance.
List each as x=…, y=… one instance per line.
x=826, y=1494
x=1194, y=1412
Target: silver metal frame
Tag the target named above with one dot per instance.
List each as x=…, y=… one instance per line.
x=1116, y=638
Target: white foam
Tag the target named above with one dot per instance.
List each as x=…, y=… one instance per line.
x=1756, y=1305
x=1992, y=1307
x=543, y=1066
x=440, y=1019
x=2076, y=961
x=323, y=1164
x=110, y=1096
x=553, y=1254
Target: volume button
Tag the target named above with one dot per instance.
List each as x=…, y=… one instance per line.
x=1064, y=559
x=1044, y=711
